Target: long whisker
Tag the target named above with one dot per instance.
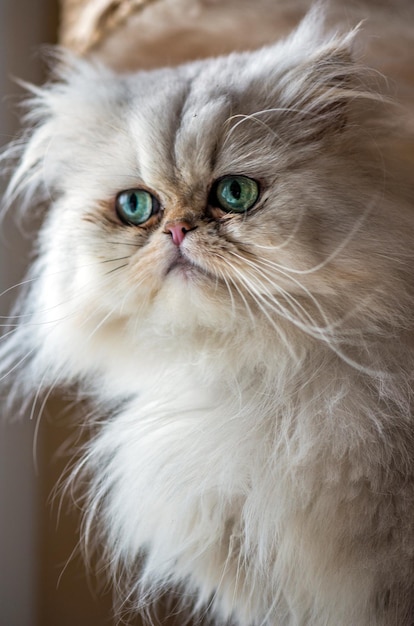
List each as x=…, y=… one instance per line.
x=100, y=324
x=251, y=291
x=266, y=297
x=329, y=325
x=288, y=239
x=286, y=294
x=347, y=239
x=121, y=258
x=266, y=301
x=240, y=293
x=39, y=417
x=254, y=118
x=17, y=285
x=125, y=243
x=33, y=279
x=116, y=269
x=17, y=364
x=226, y=282
x=297, y=306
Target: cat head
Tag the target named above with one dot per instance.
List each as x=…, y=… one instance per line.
x=210, y=201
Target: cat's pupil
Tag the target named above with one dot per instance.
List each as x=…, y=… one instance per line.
x=133, y=202
x=235, y=189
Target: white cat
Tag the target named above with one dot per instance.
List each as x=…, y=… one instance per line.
x=226, y=268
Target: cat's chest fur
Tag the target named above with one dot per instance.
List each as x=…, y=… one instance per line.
x=215, y=477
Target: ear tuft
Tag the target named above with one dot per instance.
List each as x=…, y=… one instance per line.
x=328, y=87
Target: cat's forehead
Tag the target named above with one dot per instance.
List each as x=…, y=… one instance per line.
x=176, y=123
x=180, y=119
x=174, y=129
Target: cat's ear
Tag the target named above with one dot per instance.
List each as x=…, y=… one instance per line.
x=328, y=88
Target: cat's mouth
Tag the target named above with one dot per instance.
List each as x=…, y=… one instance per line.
x=184, y=266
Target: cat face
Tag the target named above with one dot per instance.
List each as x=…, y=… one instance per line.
x=214, y=196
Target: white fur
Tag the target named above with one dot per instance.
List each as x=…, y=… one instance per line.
x=255, y=437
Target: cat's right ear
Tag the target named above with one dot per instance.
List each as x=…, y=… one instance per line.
x=331, y=83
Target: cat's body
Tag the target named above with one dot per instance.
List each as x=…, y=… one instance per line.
x=252, y=370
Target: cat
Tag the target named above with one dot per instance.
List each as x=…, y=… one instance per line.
x=225, y=269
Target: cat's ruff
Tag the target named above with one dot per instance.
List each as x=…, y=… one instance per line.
x=252, y=371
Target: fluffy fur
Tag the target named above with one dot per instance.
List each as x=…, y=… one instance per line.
x=256, y=441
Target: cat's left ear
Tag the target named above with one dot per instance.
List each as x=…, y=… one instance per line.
x=328, y=87
x=330, y=84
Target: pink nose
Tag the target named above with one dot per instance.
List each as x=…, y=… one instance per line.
x=178, y=231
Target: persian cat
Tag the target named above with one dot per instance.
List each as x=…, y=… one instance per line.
x=226, y=269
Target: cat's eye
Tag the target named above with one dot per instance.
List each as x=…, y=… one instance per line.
x=235, y=194
x=135, y=206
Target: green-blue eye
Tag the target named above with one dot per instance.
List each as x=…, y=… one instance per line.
x=135, y=206
x=236, y=194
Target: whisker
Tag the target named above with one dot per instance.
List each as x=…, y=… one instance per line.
x=17, y=285
x=121, y=258
x=252, y=117
x=39, y=418
x=265, y=300
x=347, y=239
x=101, y=323
x=12, y=328
x=288, y=240
x=239, y=291
x=125, y=243
x=226, y=282
x=268, y=299
x=330, y=325
x=330, y=340
x=286, y=294
x=42, y=275
x=116, y=268
x=252, y=292
x=17, y=365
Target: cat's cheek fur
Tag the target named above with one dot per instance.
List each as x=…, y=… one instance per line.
x=90, y=320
